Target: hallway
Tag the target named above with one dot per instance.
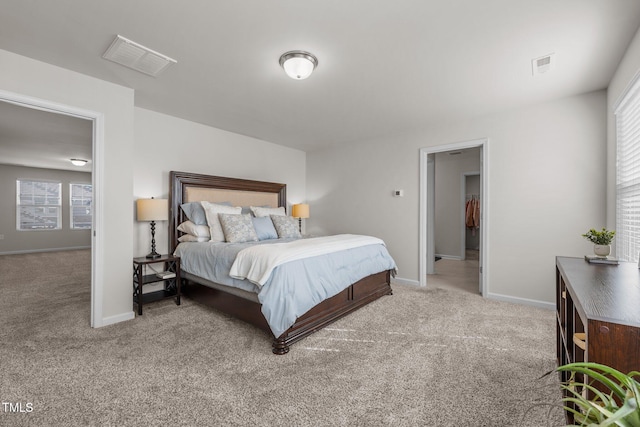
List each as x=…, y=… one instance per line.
x=457, y=274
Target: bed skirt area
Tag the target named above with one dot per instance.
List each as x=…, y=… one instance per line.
x=352, y=298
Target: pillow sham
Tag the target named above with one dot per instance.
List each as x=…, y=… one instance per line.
x=195, y=212
x=237, y=228
x=195, y=230
x=261, y=211
x=286, y=226
x=191, y=238
x=264, y=228
x=212, y=210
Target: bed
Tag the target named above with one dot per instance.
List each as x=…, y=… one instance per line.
x=243, y=303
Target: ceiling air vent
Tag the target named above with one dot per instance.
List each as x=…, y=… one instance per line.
x=543, y=64
x=137, y=57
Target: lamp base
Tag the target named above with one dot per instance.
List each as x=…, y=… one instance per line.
x=153, y=254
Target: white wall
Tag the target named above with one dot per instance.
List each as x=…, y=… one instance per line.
x=165, y=143
x=449, y=171
x=546, y=187
x=37, y=79
x=628, y=70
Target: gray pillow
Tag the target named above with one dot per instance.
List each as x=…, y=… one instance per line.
x=264, y=228
x=286, y=226
x=237, y=228
x=195, y=212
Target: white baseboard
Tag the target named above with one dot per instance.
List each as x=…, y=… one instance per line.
x=123, y=317
x=449, y=257
x=33, y=251
x=401, y=281
x=524, y=301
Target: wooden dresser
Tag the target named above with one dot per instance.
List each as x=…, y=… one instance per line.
x=600, y=303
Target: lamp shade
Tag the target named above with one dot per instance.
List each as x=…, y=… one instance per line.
x=152, y=209
x=300, y=211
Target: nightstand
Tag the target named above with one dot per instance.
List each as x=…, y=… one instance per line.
x=171, y=289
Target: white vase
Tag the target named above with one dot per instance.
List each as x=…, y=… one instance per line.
x=602, y=251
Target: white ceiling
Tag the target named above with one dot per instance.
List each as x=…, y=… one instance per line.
x=35, y=138
x=385, y=67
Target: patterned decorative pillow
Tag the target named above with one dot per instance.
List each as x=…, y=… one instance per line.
x=286, y=226
x=259, y=211
x=212, y=210
x=237, y=228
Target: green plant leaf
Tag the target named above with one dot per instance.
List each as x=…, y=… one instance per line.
x=602, y=409
x=588, y=369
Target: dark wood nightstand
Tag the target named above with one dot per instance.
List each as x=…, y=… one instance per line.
x=172, y=283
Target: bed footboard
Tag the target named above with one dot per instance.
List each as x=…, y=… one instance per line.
x=355, y=296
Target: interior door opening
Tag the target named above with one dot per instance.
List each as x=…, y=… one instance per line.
x=453, y=247
x=94, y=139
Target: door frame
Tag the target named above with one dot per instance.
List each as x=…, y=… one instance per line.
x=97, y=177
x=427, y=188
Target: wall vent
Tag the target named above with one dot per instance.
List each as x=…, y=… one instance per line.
x=137, y=57
x=543, y=64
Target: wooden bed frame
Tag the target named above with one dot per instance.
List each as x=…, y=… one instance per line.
x=355, y=296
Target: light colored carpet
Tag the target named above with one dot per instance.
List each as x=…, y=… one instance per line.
x=434, y=357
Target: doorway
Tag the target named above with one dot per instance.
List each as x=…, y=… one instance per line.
x=428, y=224
x=97, y=138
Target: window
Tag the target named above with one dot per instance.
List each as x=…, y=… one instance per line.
x=81, y=206
x=628, y=175
x=38, y=205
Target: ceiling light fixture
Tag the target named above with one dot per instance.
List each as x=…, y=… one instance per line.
x=79, y=162
x=298, y=64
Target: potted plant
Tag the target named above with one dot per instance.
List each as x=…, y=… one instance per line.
x=617, y=405
x=601, y=241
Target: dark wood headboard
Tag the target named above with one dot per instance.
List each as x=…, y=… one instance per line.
x=180, y=182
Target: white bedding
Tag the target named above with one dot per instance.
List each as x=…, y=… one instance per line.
x=256, y=263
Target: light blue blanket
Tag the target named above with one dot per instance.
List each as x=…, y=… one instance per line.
x=293, y=288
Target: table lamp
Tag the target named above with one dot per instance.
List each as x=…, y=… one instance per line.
x=153, y=210
x=300, y=211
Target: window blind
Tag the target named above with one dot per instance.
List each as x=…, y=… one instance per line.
x=81, y=206
x=38, y=205
x=627, y=116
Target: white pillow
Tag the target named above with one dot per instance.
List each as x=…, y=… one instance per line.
x=260, y=211
x=212, y=210
x=191, y=238
x=195, y=230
